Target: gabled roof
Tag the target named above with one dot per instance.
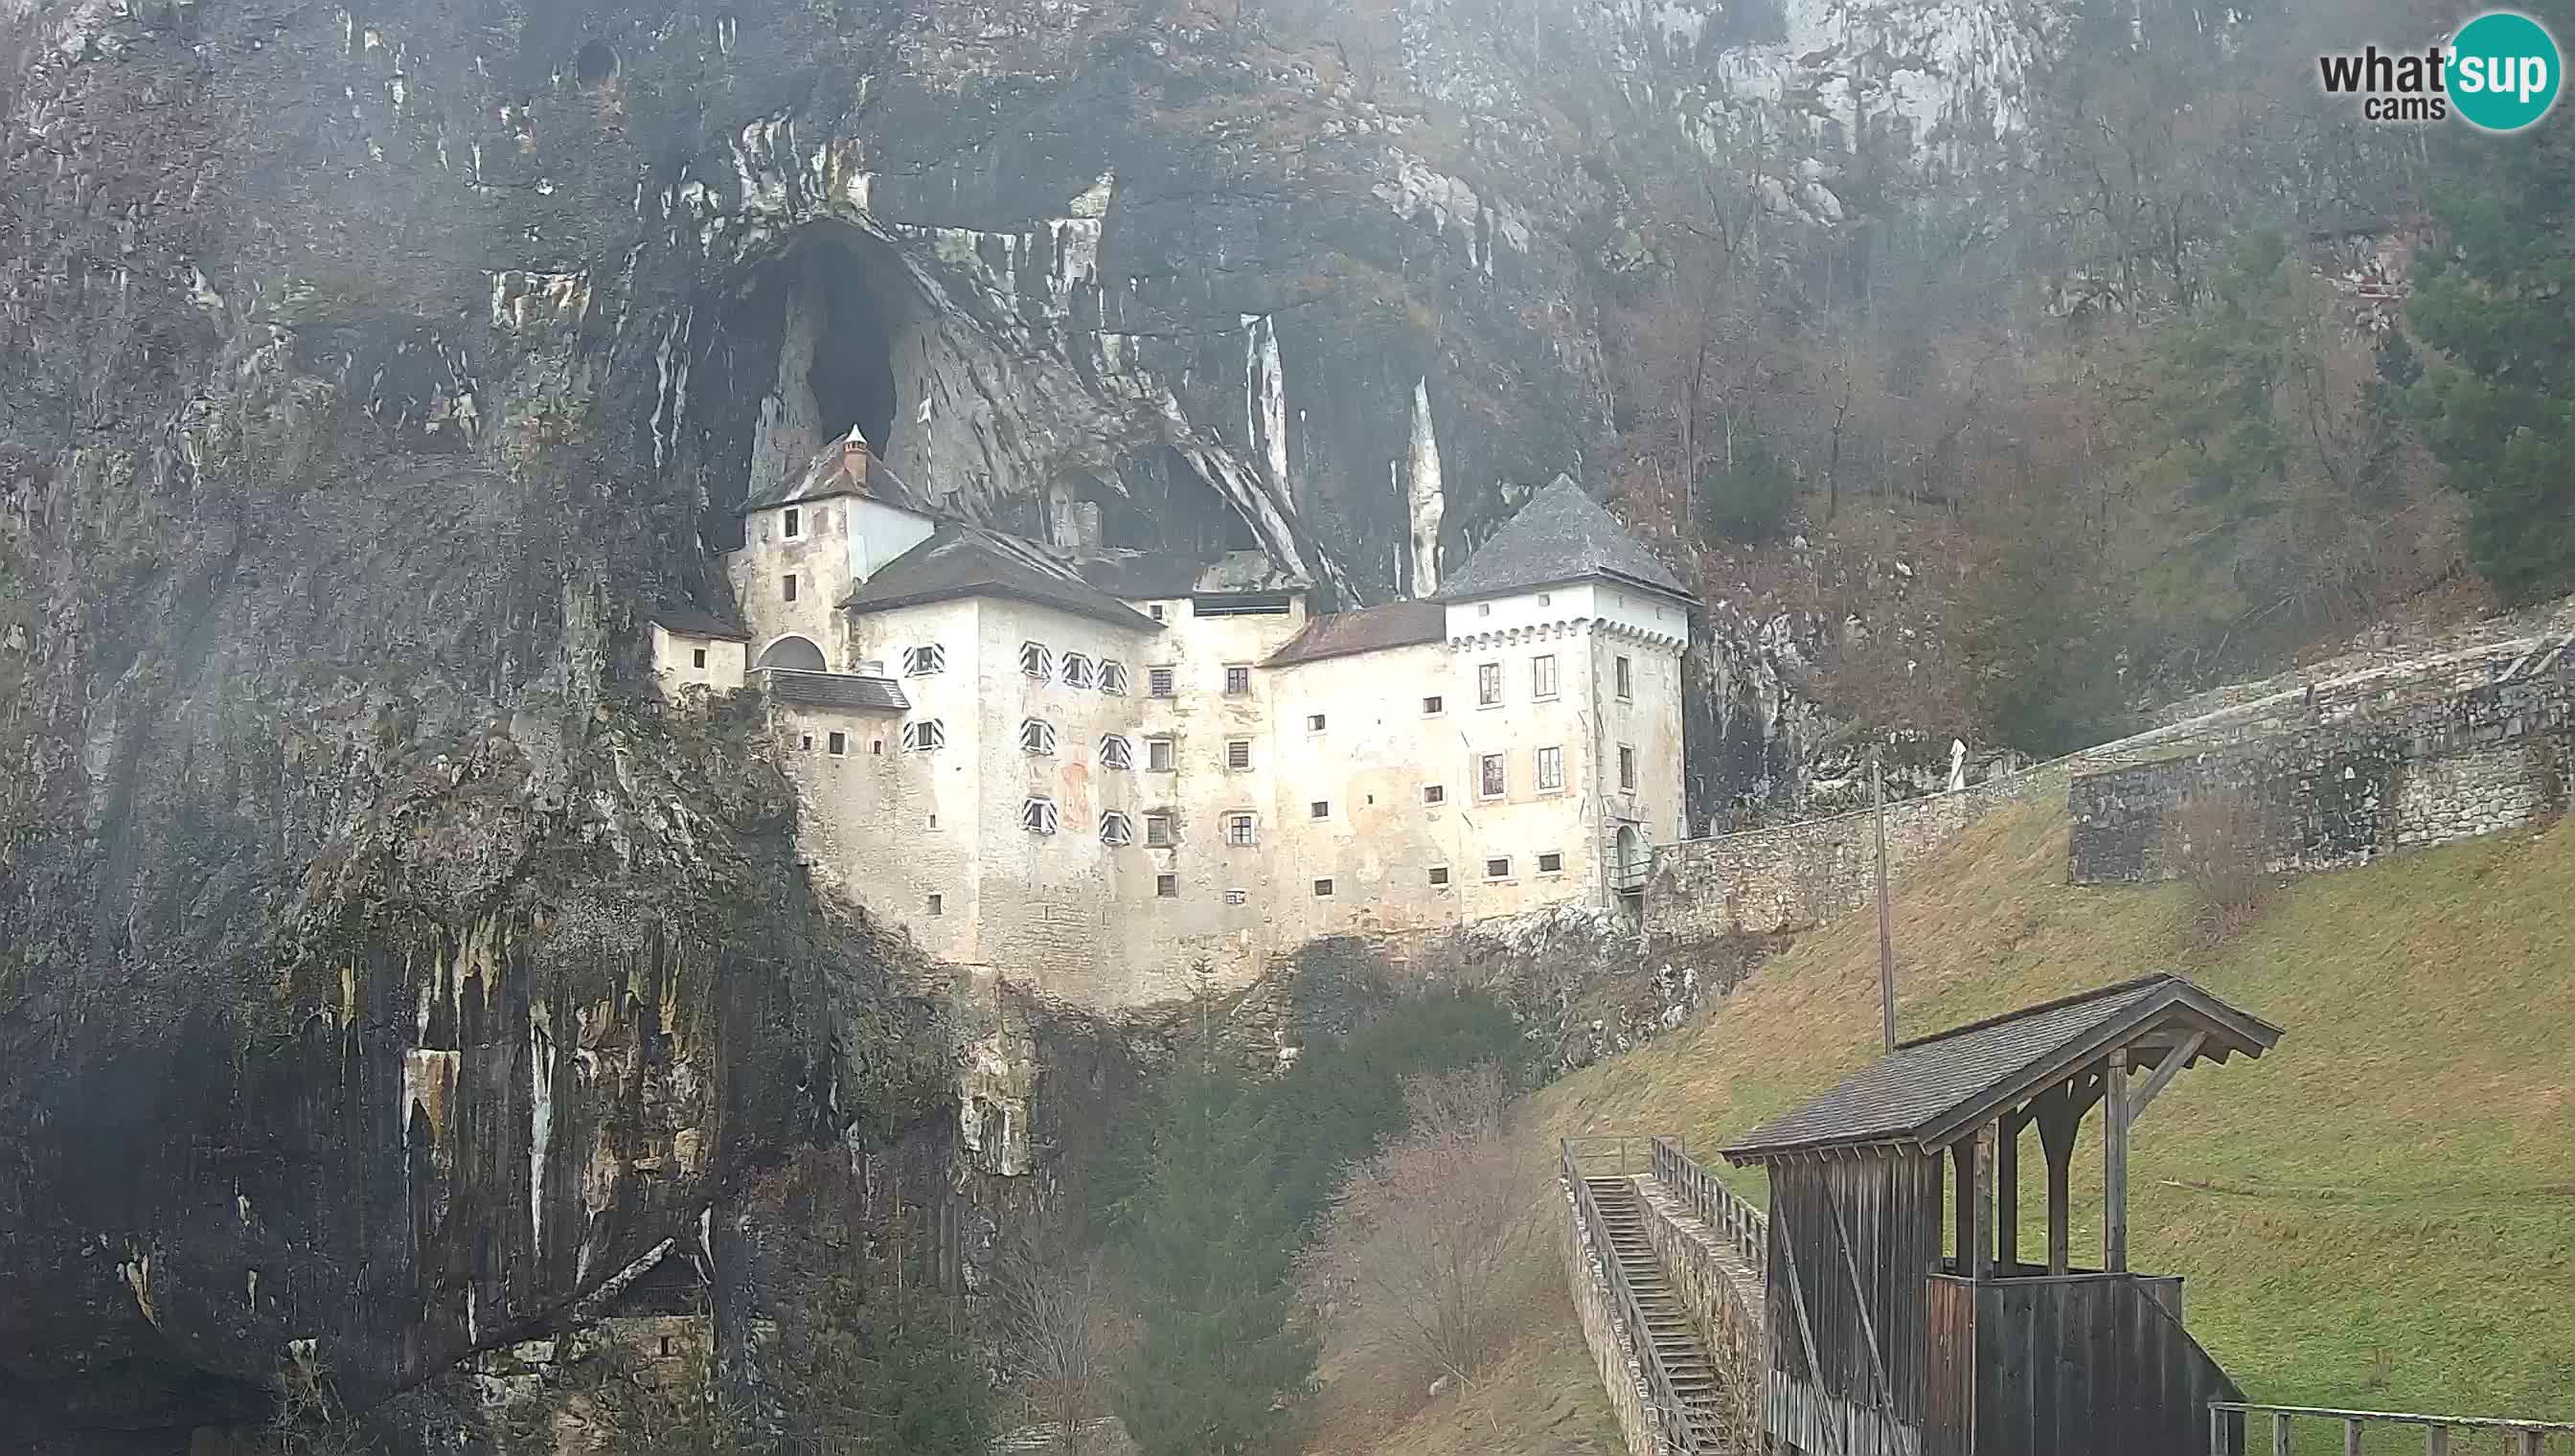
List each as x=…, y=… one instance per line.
x=1937, y=1088
x=837, y=689
x=845, y=466
x=958, y=561
x=1561, y=535
x=1395, y=625
x=690, y=621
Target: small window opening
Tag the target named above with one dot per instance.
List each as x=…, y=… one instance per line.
x=699, y=656
x=1439, y=874
x=1166, y=887
x=786, y=588
x=1551, y=864
x=1499, y=868
x=1313, y=723
x=1238, y=754
x=1158, y=831
x=937, y=905
x=1159, y=682
x=1321, y=808
x=840, y=743
x=1322, y=888
x=1236, y=896
x=1237, y=681
x=1430, y=706
x=795, y=523
x=1435, y=794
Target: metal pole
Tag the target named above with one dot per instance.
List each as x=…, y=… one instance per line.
x=1885, y=934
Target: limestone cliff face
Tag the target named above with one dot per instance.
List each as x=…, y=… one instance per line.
x=378, y=967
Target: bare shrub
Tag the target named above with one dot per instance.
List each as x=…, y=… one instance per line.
x=1433, y=1244
x=2216, y=843
x=1058, y=1314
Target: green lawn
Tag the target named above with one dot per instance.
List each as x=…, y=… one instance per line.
x=2379, y=1213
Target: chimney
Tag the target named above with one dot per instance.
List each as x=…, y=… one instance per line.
x=853, y=455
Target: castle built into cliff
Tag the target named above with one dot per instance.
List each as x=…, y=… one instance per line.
x=1108, y=771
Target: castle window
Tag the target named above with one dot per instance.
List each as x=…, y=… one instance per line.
x=934, y=905
x=1626, y=680
x=1076, y=670
x=1157, y=681
x=1543, y=675
x=1114, y=828
x=1439, y=874
x=877, y=747
x=1238, y=754
x=698, y=656
x=1498, y=868
x=1166, y=887
x=795, y=523
x=1550, y=769
x=1323, y=889
x=1431, y=707
x=923, y=734
x=925, y=662
x=1160, y=756
x=1627, y=768
x=667, y=1350
x=1156, y=610
x=1550, y=864
x=1037, y=815
x=1113, y=678
x=1035, y=660
x=1237, y=896
x=839, y=743
x=1544, y=599
x=1114, y=753
x=1239, y=830
x=805, y=741
x=1321, y=808
x=1489, y=684
x=787, y=586
x=1237, y=681
x=1435, y=794
x=1158, y=831
x=1313, y=723
x=1036, y=736
x=1483, y=608
x=1492, y=780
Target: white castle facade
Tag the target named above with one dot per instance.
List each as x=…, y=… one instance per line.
x=1113, y=772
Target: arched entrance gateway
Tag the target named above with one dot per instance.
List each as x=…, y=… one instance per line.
x=792, y=652
x=1627, y=860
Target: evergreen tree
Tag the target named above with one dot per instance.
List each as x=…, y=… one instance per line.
x=2497, y=297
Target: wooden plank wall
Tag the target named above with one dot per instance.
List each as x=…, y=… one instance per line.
x=2093, y=1364
x=1863, y=1234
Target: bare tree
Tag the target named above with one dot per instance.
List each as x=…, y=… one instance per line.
x=1059, y=1313
x=1429, y=1242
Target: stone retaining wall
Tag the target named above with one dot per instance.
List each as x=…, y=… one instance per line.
x=1596, y=1306
x=1725, y=1307
x=2460, y=720
x=2411, y=767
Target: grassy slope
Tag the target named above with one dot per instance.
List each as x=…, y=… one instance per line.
x=2381, y=1212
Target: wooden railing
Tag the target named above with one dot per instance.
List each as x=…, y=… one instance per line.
x=2532, y=1435
x=1671, y=1415
x=1719, y=1207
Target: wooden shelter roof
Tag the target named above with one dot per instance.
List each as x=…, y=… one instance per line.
x=1936, y=1089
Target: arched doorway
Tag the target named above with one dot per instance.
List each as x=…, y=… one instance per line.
x=1628, y=862
x=794, y=652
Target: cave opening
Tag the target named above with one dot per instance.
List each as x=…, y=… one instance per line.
x=852, y=376
x=595, y=64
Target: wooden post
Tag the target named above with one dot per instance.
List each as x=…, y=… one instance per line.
x=2007, y=1194
x=2058, y=1116
x=1963, y=1153
x=1988, y=1144
x=2114, y=1167
x=2350, y=1438
x=2279, y=1433
x=2438, y=1443
x=1885, y=932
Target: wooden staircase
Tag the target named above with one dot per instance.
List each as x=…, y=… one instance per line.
x=1675, y=1343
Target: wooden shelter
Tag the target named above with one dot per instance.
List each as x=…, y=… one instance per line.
x=1881, y=1341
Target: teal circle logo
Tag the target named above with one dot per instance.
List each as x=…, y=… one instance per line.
x=2503, y=71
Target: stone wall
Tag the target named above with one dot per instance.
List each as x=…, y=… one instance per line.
x=1725, y=1299
x=1796, y=876
x=2422, y=762
x=2482, y=731
x=1596, y=1306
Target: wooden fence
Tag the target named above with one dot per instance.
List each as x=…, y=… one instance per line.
x=2531, y=1436
x=1719, y=1207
